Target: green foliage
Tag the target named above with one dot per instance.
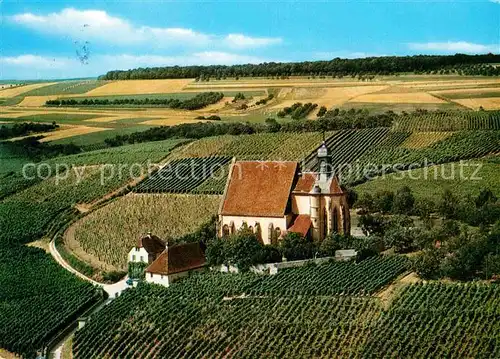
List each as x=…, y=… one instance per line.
x=241, y=250
x=24, y=129
x=403, y=201
x=197, y=102
x=295, y=247
x=419, y=322
x=183, y=175
x=136, y=270
x=38, y=298
x=336, y=277
x=321, y=112
x=464, y=64
x=448, y=121
x=239, y=96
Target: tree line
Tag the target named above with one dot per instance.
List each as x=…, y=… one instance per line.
x=199, y=101
x=387, y=65
x=24, y=129
x=333, y=120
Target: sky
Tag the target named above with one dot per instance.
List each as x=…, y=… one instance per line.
x=71, y=39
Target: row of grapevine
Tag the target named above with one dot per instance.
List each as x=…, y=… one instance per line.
x=449, y=121
x=183, y=175
x=462, y=145
x=213, y=316
x=109, y=233
x=286, y=146
x=38, y=299
x=346, y=146
x=441, y=321
x=347, y=278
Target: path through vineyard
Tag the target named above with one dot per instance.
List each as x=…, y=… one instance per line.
x=112, y=289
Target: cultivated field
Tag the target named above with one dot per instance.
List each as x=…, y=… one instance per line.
x=110, y=232
x=16, y=91
x=132, y=87
x=398, y=93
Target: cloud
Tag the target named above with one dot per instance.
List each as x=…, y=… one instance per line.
x=99, y=26
x=31, y=66
x=240, y=40
x=454, y=47
x=495, y=1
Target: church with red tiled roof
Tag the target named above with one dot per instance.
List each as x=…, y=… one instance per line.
x=274, y=198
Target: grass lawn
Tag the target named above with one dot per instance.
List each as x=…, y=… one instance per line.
x=441, y=177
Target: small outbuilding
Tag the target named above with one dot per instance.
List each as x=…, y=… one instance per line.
x=175, y=262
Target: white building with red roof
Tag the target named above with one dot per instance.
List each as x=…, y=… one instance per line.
x=273, y=198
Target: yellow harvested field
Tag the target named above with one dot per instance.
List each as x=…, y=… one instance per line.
x=69, y=131
x=269, y=83
x=468, y=91
x=216, y=106
x=415, y=97
x=17, y=114
x=328, y=97
x=172, y=121
x=36, y=101
x=341, y=95
x=488, y=103
x=424, y=139
x=450, y=84
x=22, y=89
x=138, y=87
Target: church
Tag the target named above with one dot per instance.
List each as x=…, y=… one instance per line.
x=274, y=198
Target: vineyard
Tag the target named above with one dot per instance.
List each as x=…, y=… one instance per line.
x=184, y=175
x=462, y=145
x=111, y=231
x=441, y=321
x=286, y=146
x=38, y=299
x=449, y=121
x=344, y=278
x=346, y=146
x=215, y=315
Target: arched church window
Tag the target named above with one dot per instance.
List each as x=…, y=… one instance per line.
x=270, y=233
x=225, y=230
x=335, y=220
x=232, y=228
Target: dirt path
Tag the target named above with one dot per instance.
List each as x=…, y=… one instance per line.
x=113, y=290
x=387, y=294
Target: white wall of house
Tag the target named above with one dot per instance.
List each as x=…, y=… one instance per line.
x=137, y=255
x=264, y=222
x=166, y=280
x=160, y=279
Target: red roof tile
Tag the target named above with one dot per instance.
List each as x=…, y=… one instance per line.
x=301, y=224
x=335, y=186
x=152, y=244
x=259, y=189
x=305, y=183
x=178, y=258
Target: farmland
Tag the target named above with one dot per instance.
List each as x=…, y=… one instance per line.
x=192, y=319
x=110, y=232
x=429, y=183
x=323, y=311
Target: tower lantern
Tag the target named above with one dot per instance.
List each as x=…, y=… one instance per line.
x=324, y=162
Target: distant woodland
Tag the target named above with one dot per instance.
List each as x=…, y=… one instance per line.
x=365, y=68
